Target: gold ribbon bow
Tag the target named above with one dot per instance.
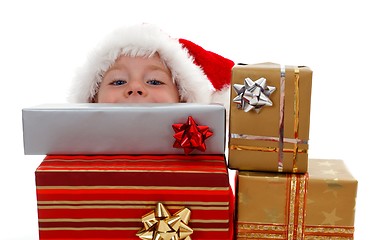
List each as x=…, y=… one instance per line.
x=160, y=225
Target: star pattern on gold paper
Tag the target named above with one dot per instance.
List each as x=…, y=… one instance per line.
x=242, y=198
x=325, y=164
x=309, y=201
x=272, y=215
x=330, y=172
x=331, y=218
x=333, y=187
x=273, y=179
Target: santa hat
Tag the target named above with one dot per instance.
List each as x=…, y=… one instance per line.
x=201, y=76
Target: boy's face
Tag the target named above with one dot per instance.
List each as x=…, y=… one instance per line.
x=138, y=80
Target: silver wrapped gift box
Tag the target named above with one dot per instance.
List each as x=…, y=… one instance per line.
x=92, y=128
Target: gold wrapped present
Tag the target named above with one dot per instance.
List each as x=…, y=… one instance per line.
x=269, y=117
x=317, y=205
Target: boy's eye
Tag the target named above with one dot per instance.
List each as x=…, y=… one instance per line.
x=118, y=82
x=154, y=82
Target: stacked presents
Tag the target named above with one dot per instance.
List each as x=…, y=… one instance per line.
x=159, y=171
x=172, y=184
x=281, y=194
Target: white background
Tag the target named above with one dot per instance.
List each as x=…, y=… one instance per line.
x=42, y=42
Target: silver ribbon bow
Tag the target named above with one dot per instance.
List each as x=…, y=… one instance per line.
x=253, y=95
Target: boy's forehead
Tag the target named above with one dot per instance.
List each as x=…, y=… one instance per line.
x=154, y=61
x=125, y=62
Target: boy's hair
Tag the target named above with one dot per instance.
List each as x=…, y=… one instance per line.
x=200, y=75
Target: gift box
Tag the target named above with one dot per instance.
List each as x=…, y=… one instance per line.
x=92, y=129
x=269, y=117
x=113, y=197
x=317, y=205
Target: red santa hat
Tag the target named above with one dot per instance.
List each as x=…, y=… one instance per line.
x=201, y=76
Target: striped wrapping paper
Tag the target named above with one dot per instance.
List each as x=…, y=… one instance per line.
x=104, y=197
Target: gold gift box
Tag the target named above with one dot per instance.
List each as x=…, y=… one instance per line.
x=317, y=205
x=276, y=138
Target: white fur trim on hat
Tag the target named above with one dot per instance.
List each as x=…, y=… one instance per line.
x=142, y=40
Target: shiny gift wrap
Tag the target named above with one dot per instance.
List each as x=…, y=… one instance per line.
x=269, y=117
x=94, y=128
x=108, y=197
x=159, y=224
x=317, y=205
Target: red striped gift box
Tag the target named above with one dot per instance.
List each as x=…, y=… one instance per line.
x=105, y=197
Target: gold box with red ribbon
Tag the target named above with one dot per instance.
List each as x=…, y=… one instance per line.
x=117, y=197
x=269, y=117
x=319, y=204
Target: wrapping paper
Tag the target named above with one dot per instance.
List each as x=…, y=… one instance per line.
x=105, y=197
x=269, y=118
x=54, y=129
x=317, y=205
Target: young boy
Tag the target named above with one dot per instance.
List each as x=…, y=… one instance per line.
x=143, y=64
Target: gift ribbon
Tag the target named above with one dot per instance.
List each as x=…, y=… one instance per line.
x=265, y=149
x=281, y=139
x=296, y=205
x=160, y=225
x=294, y=227
x=191, y=136
x=268, y=138
x=281, y=118
x=253, y=95
x=296, y=117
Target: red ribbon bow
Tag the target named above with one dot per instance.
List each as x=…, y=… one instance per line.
x=190, y=136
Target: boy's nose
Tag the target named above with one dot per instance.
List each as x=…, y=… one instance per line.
x=135, y=88
x=139, y=92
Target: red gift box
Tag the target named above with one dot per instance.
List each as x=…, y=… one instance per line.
x=105, y=197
